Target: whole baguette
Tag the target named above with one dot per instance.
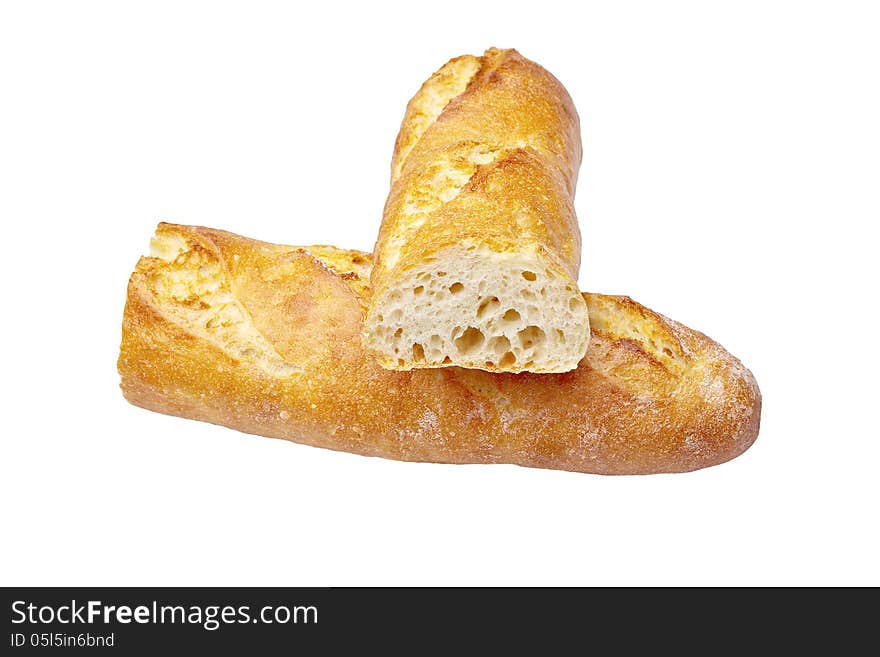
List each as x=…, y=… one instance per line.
x=477, y=259
x=264, y=339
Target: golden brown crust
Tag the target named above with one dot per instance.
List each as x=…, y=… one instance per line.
x=264, y=339
x=487, y=156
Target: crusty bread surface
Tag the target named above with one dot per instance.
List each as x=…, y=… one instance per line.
x=478, y=254
x=265, y=339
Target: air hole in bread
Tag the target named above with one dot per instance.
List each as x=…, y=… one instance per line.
x=489, y=305
x=530, y=336
x=529, y=276
x=418, y=352
x=418, y=290
x=511, y=315
x=561, y=335
x=575, y=303
x=471, y=340
x=447, y=361
x=398, y=333
x=455, y=288
x=441, y=273
x=507, y=360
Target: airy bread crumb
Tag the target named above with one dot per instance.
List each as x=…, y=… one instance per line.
x=481, y=310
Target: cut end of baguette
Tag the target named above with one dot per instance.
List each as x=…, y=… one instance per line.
x=485, y=310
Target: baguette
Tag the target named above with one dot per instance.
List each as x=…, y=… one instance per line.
x=264, y=339
x=477, y=259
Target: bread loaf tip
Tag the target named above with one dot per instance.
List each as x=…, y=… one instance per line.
x=479, y=249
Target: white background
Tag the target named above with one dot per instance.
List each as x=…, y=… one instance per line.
x=730, y=180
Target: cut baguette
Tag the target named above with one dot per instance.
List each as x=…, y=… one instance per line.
x=479, y=249
x=264, y=339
